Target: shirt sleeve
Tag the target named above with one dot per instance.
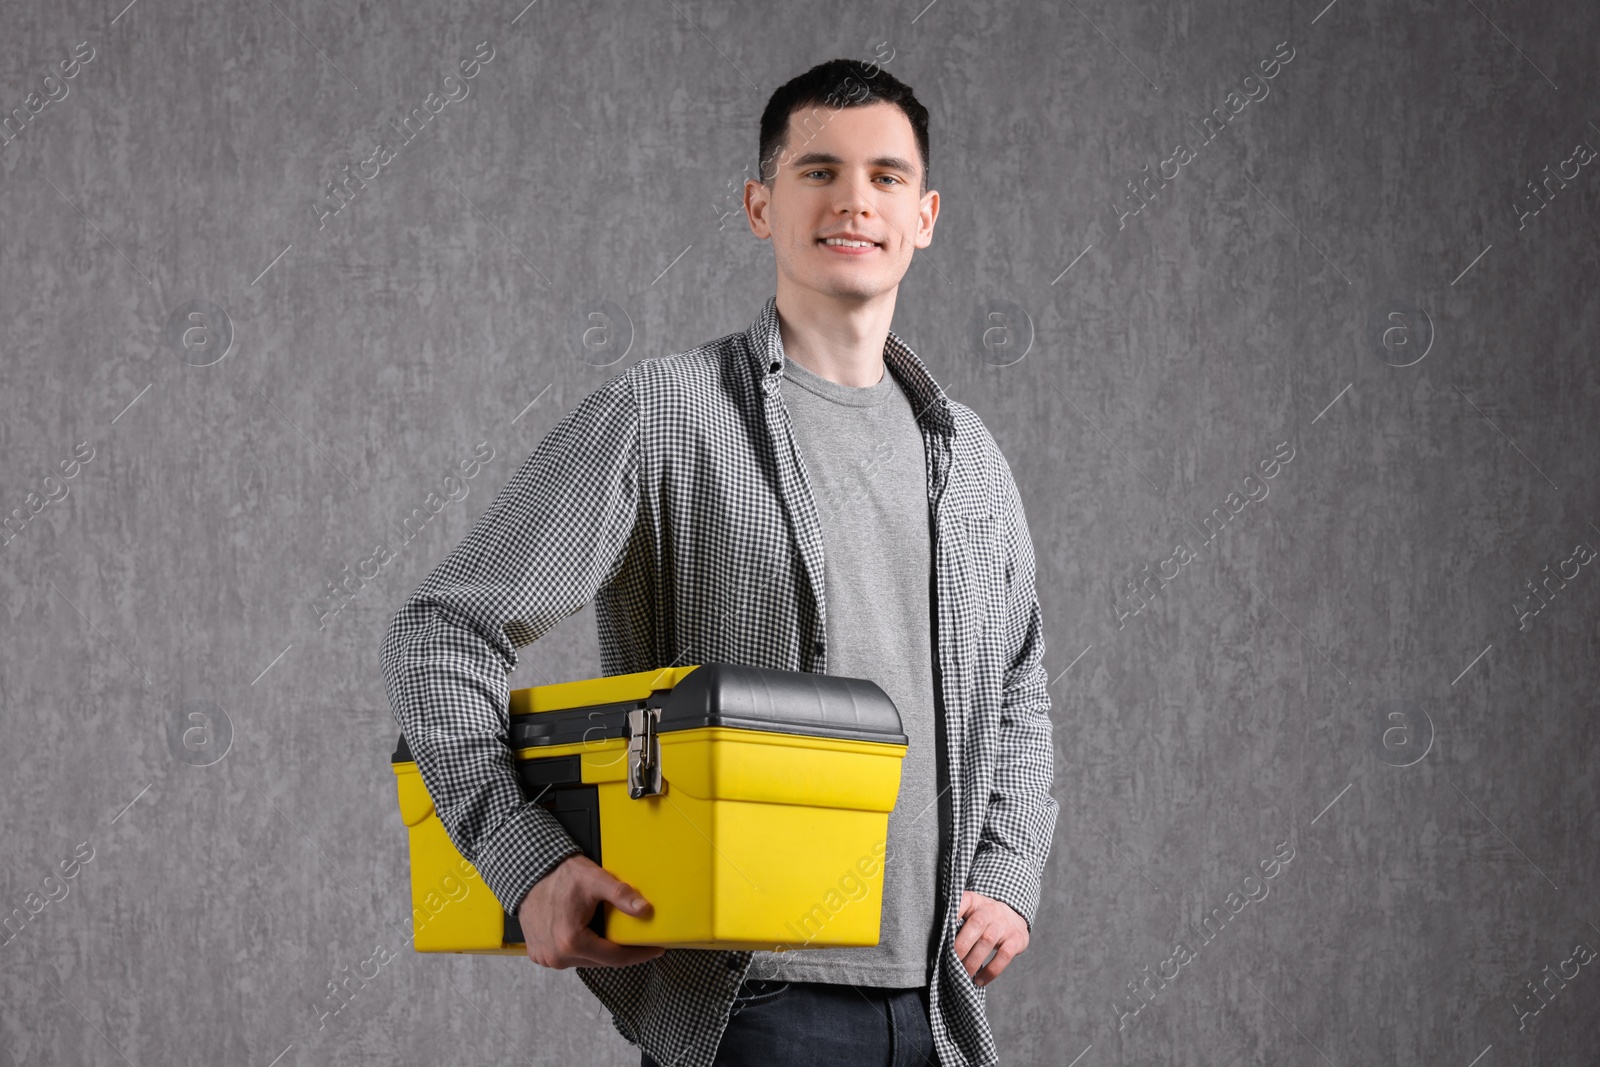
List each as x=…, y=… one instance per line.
x=549, y=541
x=1021, y=817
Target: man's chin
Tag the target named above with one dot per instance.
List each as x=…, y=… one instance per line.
x=856, y=289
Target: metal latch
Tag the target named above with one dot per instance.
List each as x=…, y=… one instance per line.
x=644, y=753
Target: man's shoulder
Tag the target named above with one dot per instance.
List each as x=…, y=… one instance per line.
x=702, y=364
x=979, y=455
x=973, y=438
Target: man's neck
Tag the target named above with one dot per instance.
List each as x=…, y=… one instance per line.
x=840, y=341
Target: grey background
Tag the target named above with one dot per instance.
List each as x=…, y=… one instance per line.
x=443, y=307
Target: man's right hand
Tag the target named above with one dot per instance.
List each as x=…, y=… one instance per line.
x=555, y=918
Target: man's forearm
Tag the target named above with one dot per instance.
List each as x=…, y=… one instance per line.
x=1021, y=818
x=444, y=687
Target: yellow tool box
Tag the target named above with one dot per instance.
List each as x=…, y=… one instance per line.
x=750, y=806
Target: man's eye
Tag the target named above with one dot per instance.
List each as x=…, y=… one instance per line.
x=891, y=177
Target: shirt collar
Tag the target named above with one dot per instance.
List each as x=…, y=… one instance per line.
x=765, y=346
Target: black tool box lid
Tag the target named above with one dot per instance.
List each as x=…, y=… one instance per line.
x=737, y=696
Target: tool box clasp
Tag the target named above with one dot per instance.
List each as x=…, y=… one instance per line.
x=644, y=753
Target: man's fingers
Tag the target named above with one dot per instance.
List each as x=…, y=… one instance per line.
x=600, y=952
x=625, y=898
x=979, y=954
x=991, y=970
x=969, y=934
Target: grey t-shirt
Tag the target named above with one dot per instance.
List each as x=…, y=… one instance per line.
x=867, y=467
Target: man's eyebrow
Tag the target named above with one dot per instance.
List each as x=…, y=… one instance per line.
x=892, y=162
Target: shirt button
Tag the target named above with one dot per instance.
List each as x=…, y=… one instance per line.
x=817, y=648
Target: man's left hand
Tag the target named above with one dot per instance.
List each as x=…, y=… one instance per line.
x=988, y=925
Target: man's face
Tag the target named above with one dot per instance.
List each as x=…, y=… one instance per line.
x=845, y=171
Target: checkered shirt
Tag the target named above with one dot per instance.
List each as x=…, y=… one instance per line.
x=674, y=497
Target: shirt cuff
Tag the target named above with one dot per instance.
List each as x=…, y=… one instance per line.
x=527, y=846
x=1006, y=877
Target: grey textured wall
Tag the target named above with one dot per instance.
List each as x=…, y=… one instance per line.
x=1355, y=271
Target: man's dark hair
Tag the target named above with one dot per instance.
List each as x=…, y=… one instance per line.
x=838, y=83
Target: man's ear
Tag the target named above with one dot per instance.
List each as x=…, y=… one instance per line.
x=926, y=217
x=757, y=197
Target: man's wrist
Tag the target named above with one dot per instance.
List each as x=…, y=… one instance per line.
x=1007, y=877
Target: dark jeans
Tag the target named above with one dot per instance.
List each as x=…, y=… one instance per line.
x=821, y=1024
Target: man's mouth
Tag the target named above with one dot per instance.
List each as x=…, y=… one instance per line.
x=847, y=243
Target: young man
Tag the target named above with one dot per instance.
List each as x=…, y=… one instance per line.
x=798, y=495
